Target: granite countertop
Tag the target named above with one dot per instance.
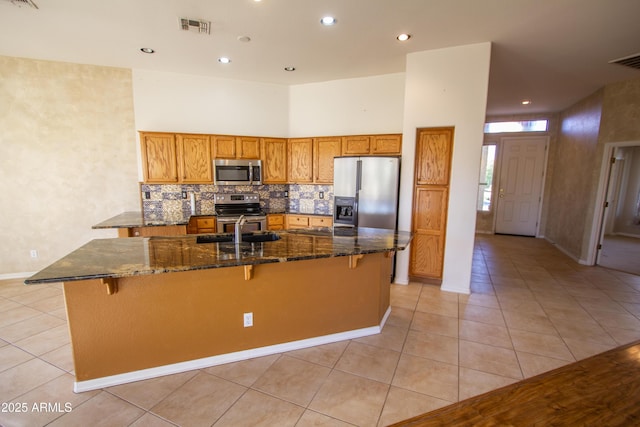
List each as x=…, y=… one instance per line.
x=136, y=219
x=124, y=257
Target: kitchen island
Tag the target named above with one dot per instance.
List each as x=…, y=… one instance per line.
x=143, y=307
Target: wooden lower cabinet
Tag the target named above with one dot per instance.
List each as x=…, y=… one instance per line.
x=305, y=221
x=201, y=225
x=275, y=222
x=297, y=221
x=320, y=221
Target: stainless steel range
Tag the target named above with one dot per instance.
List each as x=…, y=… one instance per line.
x=229, y=207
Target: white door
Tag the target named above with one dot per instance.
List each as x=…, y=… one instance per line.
x=520, y=185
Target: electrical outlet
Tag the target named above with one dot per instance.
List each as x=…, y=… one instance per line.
x=147, y=195
x=248, y=320
x=33, y=253
x=184, y=194
x=321, y=194
x=286, y=193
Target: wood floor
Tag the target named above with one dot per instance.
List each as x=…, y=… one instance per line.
x=603, y=390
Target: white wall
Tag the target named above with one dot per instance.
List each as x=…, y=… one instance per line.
x=447, y=87
x=347, y=107
x=188, y=103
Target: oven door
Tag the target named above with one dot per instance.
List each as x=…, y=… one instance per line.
x=227, y=224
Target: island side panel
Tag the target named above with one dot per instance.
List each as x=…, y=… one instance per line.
x=161, y=319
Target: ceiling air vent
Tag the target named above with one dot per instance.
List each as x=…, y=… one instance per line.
x=632, y=61
x=21, y=3
x=197, y=25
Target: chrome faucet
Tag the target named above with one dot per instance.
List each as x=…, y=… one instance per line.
x=239, y=223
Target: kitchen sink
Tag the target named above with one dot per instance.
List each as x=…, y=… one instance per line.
x=214, y=238
x=246, y=237
x=260, y=237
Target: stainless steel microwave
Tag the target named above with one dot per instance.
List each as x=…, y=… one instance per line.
x=237, y=172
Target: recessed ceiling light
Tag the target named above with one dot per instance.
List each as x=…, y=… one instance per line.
x=224, y=60
x=244, y=39
x=403, y=37
x=328, y=20
x=147, y=50
x=526, y=102
x=289, y=68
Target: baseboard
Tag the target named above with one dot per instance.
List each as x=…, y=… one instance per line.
x=23, y=275
x=635, y=236
x=567, y=253
x=207, y=362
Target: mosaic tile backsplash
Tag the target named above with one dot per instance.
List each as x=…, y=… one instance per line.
x=166, y=201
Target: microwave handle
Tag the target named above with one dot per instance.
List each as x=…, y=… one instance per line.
x=250, y=173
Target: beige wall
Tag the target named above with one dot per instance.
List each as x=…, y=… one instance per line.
x=610, y=115
x=67, y=157
x=575, y=162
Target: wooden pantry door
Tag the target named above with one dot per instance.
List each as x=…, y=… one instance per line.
x=434, y=148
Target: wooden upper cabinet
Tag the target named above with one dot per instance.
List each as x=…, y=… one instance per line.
x=223, y=146
x=159, y=157
x=194, y=155
x=247, y=147
x=273, y=152
x=235, y=147
x=433, y=156
x=386, y=144
x=324, y=151
x=300, y=160
x=356, y=145
x=380, y=145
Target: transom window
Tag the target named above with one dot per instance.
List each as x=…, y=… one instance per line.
x=521, y=126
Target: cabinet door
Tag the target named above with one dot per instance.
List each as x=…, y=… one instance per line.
x=159, y=157
x=275, y=222
x=300, y=155
x=320, y=221
x=433, y=156
x=434, y=147
x=195, y=158
x=324, y=151
x=297, y=221
x=429, y=226
x=356, y=145
x=247, y=147
x=224, y=147
x=386, y=144
x=274, y=160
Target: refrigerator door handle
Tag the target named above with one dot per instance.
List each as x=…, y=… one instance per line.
x=358, y=176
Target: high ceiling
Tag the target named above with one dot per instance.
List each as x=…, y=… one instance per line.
x=553, y=52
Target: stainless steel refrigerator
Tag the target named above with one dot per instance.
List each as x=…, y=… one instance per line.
x=365, y=191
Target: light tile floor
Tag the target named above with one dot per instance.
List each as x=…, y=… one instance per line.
x=531, y=309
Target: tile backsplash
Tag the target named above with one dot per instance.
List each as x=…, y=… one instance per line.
x=166, y=201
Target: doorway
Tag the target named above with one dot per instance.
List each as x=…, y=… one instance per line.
x=619, y=244
x=520, y=184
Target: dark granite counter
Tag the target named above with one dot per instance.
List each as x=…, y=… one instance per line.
x=113, y=258
x=136, y=219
